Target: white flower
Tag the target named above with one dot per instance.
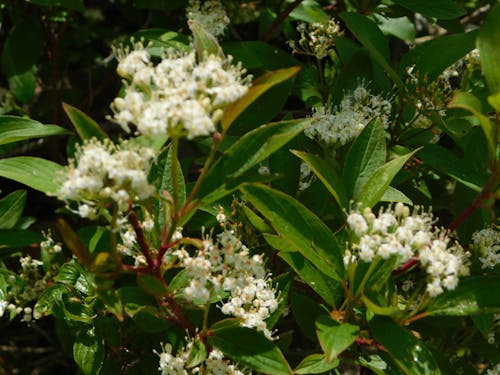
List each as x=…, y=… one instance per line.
x=487, y=243
x=226, y=267
x=316, y=39
x=103, y=171
x=345, y=122
x=405, y=236
x=179, y=96
x=210, y=14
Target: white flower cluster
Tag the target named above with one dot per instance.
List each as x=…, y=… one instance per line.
x=342, y=125
x=399, y=233
x=487, y=243
x=306, y=176
x=495, y=370
x=316, y=39
x=226, y=267
x=103, y=172
x=179, y=96
x=210, y=14
x=128, y=245
x=214, y=364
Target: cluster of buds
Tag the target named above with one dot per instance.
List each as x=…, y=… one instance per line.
x=211, y=15
x=316, y=39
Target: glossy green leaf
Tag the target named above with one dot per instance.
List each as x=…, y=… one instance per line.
x=257, y=221
x=259, y=87
x=250, y=348
x=487, y=42
x=48, y=298
x=309, y=11
x=316, y=364
x=335, y=337
x=411, y=354
x=84, y=125
x=472, y=296
x=367, y=153
x=379, y=181
x=327, y=174
x=400, y=27
x=294, y=222
x=204, y=42
x=330, y=290
x=37, y=173
x=441, y=9
x=148, y=319
x=370, y=36
x=433, y=57
x=15, y=129
x=469, y=102
x=88, y=351
x=249, y=151
x=17, y=238
x=73, y=274
x=197, y=354
x=11, y=208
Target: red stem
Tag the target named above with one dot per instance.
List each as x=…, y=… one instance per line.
x=141, y=239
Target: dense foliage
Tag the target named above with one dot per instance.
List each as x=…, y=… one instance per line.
x=233, y=187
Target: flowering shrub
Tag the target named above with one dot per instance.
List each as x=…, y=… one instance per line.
x=270, y=187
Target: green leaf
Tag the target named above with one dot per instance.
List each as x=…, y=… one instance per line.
x=152, y=285
x=433, y=57
x=257, y=221
x=84, y=125
x=17, y=238
x=11, y=209
x=326, y=288
x=316, y=364
x=47, y=299
x=250, y=348
x=327, y=174
x=259, y=87
x=394, y=195
x=469, y=102
x=197, y=354
x=88, y=351
x=249, y=151
x=37, y=173
x=379, y=181
x=445, y=162
x=472, y=296
x=73, y=274
x=23, y=85
x=15, y=129
x=400, y=27
x=411, y=354
x=370, y=36
x=134, y=299
x=367, y=153
x=440, y=9
x=148, y=320
x=204, y=42
x=298, y=225
x=74, y=243
x=488, y=41
x=309, y=11
x=335, y=337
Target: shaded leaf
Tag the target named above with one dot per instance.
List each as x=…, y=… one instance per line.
x=316, y=364
x=84, y=125
x=250, y=348
x=16, y=238
x=472, y=296
x=11, y=208
x=259, y=87
x=441, y=9
x=327, y=174
x=411, y=354
x=488, y=41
